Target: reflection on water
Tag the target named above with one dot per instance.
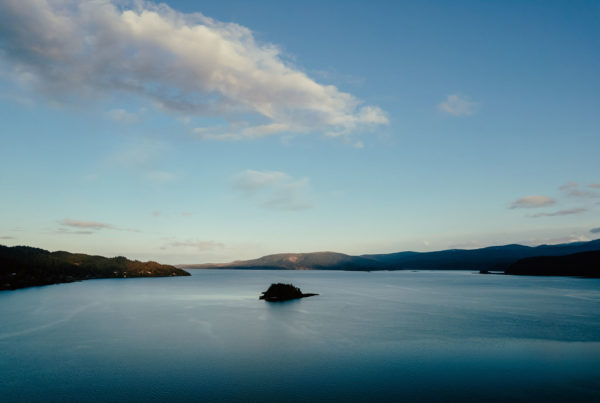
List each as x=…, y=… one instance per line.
x=425, y=336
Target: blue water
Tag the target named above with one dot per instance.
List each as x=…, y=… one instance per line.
x=384, y=336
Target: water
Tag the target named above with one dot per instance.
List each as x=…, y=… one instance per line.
x=384, y=336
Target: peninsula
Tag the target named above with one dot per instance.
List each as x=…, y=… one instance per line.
x=24, y=266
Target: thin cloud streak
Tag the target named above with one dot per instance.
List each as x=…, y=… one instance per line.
x=560, y=213
x=68, y=231
x=572, y=189
x=535, y=201
x=568, y=186
x=85, y=224
x=188, y=64
x=200, y=245
x=88, y=227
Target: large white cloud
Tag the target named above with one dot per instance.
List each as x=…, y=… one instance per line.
x=187, y=63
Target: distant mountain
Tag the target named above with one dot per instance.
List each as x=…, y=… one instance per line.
x=294, y=261
x=491, y=258
x=586, y=264
x=23, y=266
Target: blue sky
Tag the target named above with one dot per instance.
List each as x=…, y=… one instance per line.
x=194, y=131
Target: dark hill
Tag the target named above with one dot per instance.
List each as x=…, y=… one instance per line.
x=490, y=258
x=23, y=266
x=298, y=261
x=586, y=264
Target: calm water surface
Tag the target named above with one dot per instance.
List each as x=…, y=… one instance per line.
x=425, y=336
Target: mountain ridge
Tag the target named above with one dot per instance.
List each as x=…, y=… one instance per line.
x=488, y=258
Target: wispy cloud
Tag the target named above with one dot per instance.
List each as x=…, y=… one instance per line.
x=534, y=201
x=7, y=237
x=595, y=230
x=199, y=245
x=333, y=75
x=160, y=176
x=553, y=241
x=122, y=116
x=594, y=185
x=583, y=193
x=458, y=105
x=474, y=244
x=568, y=186
x=573, y=189
x=274, y=189
x=560, y=213
x=70, y=231
x=87, y=227
x=144, y=153
x=189, y=64
x=85, y=224
x=251, y=181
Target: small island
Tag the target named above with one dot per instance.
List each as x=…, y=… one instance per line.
x=24, y=266
x=283, y=292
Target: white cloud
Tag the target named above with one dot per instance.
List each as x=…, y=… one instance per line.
x=458, y=105
x=186, y=63
x=122, y=116
x=532, y=202
x=274, y=189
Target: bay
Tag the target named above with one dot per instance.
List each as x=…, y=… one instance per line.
x=380, y=336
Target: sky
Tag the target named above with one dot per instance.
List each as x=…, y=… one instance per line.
x=197, y=131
